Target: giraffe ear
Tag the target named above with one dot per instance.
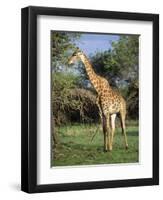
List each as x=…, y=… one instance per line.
x=78, y=50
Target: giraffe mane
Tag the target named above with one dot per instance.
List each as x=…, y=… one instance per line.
x=77, y=51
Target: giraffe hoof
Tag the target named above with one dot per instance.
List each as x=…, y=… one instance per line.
x=105, y=150
x=126, y=147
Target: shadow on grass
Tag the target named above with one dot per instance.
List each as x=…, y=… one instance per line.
x=84, y=147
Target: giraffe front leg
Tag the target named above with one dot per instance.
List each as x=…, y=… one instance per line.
x=103, y=122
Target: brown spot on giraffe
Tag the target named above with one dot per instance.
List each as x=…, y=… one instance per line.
x=109, y=102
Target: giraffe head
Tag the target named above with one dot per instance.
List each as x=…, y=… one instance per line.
x=75, y=57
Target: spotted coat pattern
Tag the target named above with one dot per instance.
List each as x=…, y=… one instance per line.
x=109, y=101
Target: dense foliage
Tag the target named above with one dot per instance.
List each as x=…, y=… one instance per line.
x=120, y=67
x=62, y=46
x=71, y=103
x=73, y=98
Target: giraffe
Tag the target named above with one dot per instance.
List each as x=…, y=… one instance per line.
x=109, y=102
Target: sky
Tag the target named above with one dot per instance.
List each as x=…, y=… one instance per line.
x=90, y=43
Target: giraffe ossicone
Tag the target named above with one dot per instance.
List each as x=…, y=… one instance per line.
x=109, y=101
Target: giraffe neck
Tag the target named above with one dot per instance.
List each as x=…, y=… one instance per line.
x=90, y=72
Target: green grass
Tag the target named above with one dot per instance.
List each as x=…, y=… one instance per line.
x=76, y=146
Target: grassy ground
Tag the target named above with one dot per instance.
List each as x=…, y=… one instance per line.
x=83, y=145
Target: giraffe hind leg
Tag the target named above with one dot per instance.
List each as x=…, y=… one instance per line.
x=108, y=133
x=113, y=117
x=122, y=118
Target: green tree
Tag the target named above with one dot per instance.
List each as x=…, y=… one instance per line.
x=125, y=57
x=70, y=102
x=119, y=63
x=120, y=66
x=63, y=44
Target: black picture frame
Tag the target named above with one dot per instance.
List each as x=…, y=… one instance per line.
x=29, y=99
